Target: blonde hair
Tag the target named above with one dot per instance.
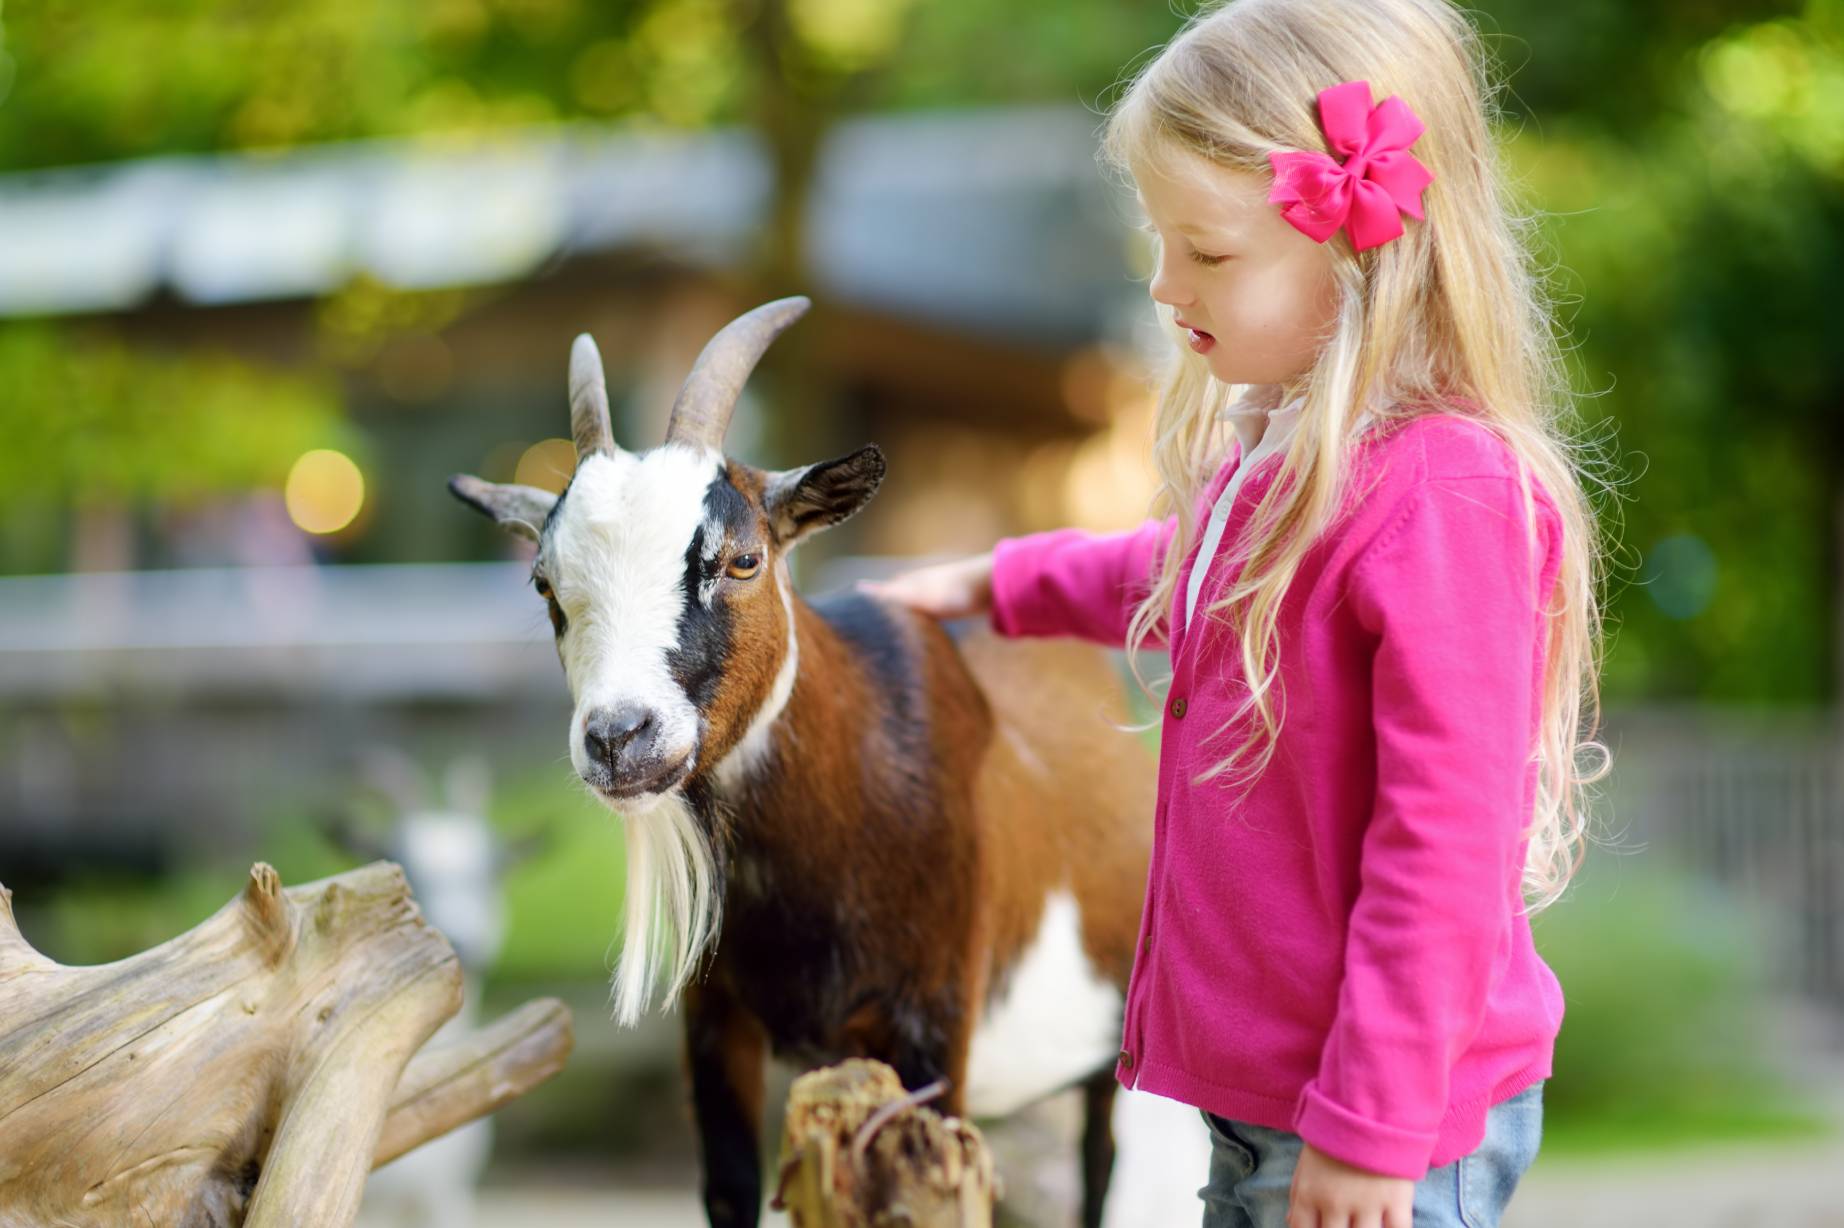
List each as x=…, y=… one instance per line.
x=1450, y=317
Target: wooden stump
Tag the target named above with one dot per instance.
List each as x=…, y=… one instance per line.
x=251, y=1071
x=857, y=1152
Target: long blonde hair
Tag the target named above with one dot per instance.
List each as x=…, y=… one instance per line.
x=1452, y=317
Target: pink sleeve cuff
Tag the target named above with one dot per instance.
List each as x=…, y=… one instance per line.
x=1368, y=1144
x=1073, y=582
x=1006, y=580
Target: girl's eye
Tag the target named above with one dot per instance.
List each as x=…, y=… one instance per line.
x=743, y=566
x=1208, y=260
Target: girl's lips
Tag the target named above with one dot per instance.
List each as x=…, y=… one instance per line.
x=1199, y=340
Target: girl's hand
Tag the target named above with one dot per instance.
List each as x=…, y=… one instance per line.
x=1329, y=1193
x=958, y=589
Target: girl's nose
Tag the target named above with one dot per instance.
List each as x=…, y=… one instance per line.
x=1165, y=288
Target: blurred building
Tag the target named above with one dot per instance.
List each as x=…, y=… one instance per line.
x=976, y=309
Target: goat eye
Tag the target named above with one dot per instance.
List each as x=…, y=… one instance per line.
x=744, y=566
x=558, y=621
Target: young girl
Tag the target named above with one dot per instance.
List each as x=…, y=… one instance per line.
x=1377, y=588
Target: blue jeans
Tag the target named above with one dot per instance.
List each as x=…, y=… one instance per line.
x=1251, y=1171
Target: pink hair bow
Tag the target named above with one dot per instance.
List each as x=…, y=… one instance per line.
x=1377, y=181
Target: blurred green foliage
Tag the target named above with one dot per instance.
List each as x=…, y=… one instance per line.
x=231, y=74
x=1698, y=232
x=90, y=420
x=1687, y=157
x=1666, y=1032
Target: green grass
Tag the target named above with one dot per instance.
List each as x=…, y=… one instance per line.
x=100, y=918
x=563, y=906
x=1667, y=1026
x=1737, y=1118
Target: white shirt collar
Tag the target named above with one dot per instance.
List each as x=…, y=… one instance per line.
x=1262, y=433
x=1251, y=422
x=1271, y=429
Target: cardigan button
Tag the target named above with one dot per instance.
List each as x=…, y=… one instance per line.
x=1126, y=1059
x=1178, y=708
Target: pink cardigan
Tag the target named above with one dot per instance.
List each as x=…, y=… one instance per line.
x=1343, y=954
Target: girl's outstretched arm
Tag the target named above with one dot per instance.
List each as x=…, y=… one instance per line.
x=1073, y=582
x=961, y=588
x=1065, y=582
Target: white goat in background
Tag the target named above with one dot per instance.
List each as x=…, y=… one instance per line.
x=455, y=864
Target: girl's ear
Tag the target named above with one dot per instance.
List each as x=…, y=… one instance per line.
x=800, y=502
x=519, y=510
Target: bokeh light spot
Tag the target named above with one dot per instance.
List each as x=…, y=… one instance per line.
x=324, y=492
x=1679, y=574
x=547, y=465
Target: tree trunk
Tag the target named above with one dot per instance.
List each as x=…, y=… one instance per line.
x=857, y=1152
x=252, y=1070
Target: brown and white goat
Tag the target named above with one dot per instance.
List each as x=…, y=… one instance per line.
x=926, y=850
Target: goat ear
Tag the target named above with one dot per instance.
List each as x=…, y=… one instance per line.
x=803, y=501
x=518, y=509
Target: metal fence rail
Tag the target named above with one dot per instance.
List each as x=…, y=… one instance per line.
x=1756, y=805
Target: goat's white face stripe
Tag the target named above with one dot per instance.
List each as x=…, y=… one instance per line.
x=713, y=541
x=619, y=565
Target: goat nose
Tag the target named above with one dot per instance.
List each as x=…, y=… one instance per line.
x=609, y=731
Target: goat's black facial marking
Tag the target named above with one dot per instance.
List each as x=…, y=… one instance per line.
x=705, y=626
x=540, y=580
x=556, y=508
x=559, y=624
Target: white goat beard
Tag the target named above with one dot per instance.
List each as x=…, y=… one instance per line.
x=673, y=906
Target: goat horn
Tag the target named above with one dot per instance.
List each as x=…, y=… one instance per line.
x=589, y=401
x=701, y=414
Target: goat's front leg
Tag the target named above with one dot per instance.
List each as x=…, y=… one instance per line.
x=1097, y=1144
x=725, y=1047
x=922, y=1038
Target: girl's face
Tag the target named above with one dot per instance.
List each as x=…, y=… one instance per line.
x=1256, y=297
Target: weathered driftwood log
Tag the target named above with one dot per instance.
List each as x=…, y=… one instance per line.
x=857, y=1152
x=251, y=1071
